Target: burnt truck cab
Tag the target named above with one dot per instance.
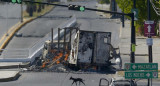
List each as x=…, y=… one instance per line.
x=93, y=48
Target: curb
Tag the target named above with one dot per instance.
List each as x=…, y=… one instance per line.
x=13, y=32
x=16, y=76
x=8, y=38
x=25, y=65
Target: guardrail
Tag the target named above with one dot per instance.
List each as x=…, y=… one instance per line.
x=36, y=49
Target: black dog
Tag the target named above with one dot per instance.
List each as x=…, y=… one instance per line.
x=75, y=80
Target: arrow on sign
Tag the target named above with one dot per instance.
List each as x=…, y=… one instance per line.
x=148, y=75
x=149, y=28
x=134, y=67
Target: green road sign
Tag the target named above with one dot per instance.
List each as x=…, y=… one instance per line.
x=141, y=75
x=140, y=66
x=135, y=11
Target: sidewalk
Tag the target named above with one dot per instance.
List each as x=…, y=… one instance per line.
x=141, y=47
x=103, y=7
x=6, y=76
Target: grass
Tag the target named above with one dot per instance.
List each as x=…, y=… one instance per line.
x=36, y=14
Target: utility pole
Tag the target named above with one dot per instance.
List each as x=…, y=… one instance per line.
x=51, y=38
x=114, y=7
x=134, y=4
x=123, y=19
x=21, y=13
x=150, y=46
x=133, y=38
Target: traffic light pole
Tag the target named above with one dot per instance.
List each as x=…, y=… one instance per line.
x=21, y=13
x=134, y=39
x=134, y=4
x=150, y=46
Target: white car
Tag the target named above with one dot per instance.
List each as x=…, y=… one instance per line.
x=122, y=82
x=114, y=82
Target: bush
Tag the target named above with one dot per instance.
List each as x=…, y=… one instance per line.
x=104, y=1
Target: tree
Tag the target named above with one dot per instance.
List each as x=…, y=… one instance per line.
x=34, y=7
x=141, y=5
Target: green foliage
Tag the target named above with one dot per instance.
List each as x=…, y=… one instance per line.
x=141, y=5
x=103, y=1
x=34, y=7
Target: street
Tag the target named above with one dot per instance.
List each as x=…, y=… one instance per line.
x=88, y=20
x=55, y=79
x=9, y=16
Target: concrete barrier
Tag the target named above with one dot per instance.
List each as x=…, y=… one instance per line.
x=10, y=65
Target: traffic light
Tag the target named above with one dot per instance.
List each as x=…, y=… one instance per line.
x=76, y=7
x=13, y=1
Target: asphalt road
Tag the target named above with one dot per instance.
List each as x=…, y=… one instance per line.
x=55, y=79
x=87, y=20
x=9, y=16
x=63, y=79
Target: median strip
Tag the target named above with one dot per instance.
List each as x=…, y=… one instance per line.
x=8, y=36
x=5, y=39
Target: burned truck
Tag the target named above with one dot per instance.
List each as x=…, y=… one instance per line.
x=81, y=50
x=93, y=48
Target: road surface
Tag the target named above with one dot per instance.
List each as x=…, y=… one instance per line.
x=9, y=16
x=87, y=20
x=55, y=79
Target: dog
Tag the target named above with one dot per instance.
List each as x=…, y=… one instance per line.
x=75, y=80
